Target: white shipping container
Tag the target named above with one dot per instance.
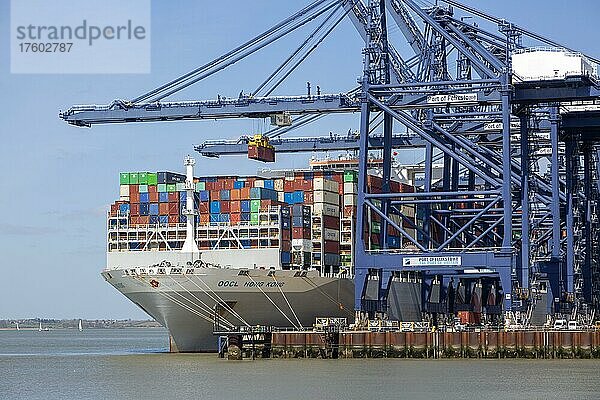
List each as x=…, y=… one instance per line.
x=350, y=199
x=321, y=196
x=259, y=183
x=547, y=64
x=302, y=245
x=331, y=234
x=350, y=188
x=278, y=185
x=124, y=190
x=326, y=185
x=124, y=198
x=320, y=208
x=281, y=196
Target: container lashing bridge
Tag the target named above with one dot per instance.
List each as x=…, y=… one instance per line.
x=516, y=238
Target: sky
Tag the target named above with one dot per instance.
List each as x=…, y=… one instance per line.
x=58, y=180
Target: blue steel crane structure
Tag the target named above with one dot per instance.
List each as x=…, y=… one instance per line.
x=526, y=232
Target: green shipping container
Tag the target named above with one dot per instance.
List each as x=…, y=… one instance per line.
x=143, y=188
x=375, y=227
x=180, y=187
x=171, y=187
x=152, y=178
x=350, y=176
x=254, y=218
x=133, y=178
x=124, y=178
x=200, y=186
x=254, y=206
x=162, y=187
x=143, y=178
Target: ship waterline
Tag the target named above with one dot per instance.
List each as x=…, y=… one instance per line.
x=186, y=300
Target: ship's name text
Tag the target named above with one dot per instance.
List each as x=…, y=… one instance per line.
x=250, y=284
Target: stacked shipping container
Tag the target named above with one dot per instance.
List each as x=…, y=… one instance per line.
x=314, y=211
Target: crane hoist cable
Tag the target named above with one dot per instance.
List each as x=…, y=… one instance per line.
x=305, y=56
x=296, y=51
x=221, y=63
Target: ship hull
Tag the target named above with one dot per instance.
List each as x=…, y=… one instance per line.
x=188, y=303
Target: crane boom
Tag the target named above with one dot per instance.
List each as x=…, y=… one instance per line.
x=216, y=148
x=245, y=106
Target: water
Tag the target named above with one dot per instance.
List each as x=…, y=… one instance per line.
x=133, y=364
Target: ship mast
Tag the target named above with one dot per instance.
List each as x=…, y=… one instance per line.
x=189, y=246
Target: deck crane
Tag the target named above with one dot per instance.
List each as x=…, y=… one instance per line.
x=536, y=238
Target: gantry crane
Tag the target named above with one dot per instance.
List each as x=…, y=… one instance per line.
x=533, y=237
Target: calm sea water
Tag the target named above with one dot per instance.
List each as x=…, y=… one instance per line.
x=134, y=364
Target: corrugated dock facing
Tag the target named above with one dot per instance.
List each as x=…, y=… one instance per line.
x=365, y=344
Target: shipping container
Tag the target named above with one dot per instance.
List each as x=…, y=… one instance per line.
x=326, y=209
x=152, y=179
x=124, y=178
x=163, y=197
x=169, y=177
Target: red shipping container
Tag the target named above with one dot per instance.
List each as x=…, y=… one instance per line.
x=235, y=206
x=215, y=195
x=375, y=238
x=153, y=197
x=134, y=209
x=204, y=219
x=152, y=189
x=349, y=211
x=235, y=218
x=163, y=208
x=218, y=185
x=174, y=197
x=331, y=247
x=286, y=245
x=114, y=208
x=203, y=207
x=288, y=186
x=234, y=194
x=134, y=189
x=264, y=205
x=309, y=197
x=225, y=207
x=134, y=197
x=174, y=219
x=330, y=222
x=173, y=208
x=228, y=184
x=144, y=219
x=208, y=186
x=301, y=233
x=286, y=234
x=245, y=193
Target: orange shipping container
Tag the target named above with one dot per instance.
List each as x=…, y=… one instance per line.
x=204, y=219
x=245, y=193
x=153, y=196
x=134, y=197
x=152, y=189
x=235, y=218
x=144, y=219
x=203, y=207
x=235, y=194
x=134, y=189
x=215, y=195
x=163, y=208
x=173, y=219
x=134, y=209
x=173, y=208
x=264, y=205
x=235, y=206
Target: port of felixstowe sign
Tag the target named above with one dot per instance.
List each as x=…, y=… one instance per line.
x=432, y=261
x=452, y=98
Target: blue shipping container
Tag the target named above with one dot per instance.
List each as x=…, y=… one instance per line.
x=286, y=257
x=245, y=206
x=163, y=197
x=285, y=224
x=245, y=216
x=153, y=209
x=182, y=196
x=215, y=207
x=269, y=184
x=154, y=219
x=183, y=219
x=144, y=209
x=245, y=243
x=238, y=184
x=224, y=194
x=309, y=176
x=287, y=197
x=144, y=198
x=204, y=195
x=163, y=219
x=123, y=209
x=298, y=197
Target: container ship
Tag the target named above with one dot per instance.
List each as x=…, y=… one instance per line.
x=200, y=254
